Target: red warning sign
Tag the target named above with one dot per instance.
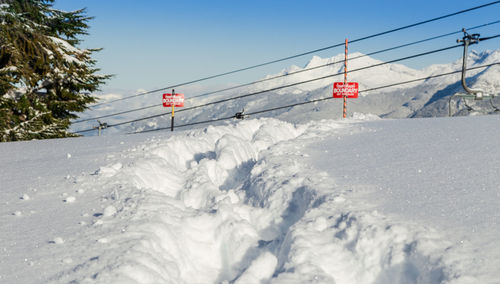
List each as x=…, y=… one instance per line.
x=351, y=90
x=177, y=100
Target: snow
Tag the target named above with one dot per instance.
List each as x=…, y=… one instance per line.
x=3, y=11
x=448, y=181
x=9, y=69
x=70, y=199
x=297, y=198
x=361, y=200
x=58, y=240
x=67, y=51
x=66, y=46
x=15, y=94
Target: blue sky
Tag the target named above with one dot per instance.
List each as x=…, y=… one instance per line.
x=151, y=44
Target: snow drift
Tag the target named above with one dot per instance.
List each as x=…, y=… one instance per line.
x=260, y=201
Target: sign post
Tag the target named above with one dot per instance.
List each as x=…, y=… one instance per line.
x=345, y=90
x=345, y=79
x=173, y=113
x=173, y=100
x=349, y=91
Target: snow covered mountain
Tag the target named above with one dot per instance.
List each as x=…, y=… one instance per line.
x=425, y=98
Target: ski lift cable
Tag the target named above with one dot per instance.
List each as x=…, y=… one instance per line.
x=304, y=53
x=316, y=100
x=284, y=86
x=116, y=113
x=290, y=73
x=488, y=38
x=313, y=101
x=341, y=61
x=323, y=77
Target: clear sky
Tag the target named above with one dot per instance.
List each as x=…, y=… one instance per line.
x=155, y=43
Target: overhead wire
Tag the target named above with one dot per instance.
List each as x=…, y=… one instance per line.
x=304, y=53
x=341, y=61
x=116, y=113
x=289, y=73
x=323, y=77
x=284, y=86
x=489, y=37
x=314, y=101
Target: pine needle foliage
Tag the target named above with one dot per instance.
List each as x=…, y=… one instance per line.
x=45, y=79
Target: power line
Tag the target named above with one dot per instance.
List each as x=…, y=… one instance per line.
x=350, y=59
x=488, y=38
x=316, y=100
x=116, y=113
x=291, y=73
x=304, y=53
x=293, y=84
x=323, y=77
x=282, y=87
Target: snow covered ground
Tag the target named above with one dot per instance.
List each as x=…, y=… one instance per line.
x=362, y=200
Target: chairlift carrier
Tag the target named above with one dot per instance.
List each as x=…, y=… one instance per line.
x=475, y=94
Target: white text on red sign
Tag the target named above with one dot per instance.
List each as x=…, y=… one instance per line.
x=177, y=100
x=351, y=90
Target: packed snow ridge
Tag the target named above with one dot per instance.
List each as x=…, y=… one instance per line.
x=261, y=201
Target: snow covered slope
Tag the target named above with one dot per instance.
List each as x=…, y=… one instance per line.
x=259, y=201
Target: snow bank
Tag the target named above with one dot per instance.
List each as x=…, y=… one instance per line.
x=261, y=201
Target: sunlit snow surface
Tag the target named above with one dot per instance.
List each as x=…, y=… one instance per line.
x=355, y=201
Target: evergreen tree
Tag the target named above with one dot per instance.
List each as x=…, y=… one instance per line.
x=44, y=78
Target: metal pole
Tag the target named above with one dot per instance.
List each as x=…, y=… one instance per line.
x=467, y=40
x=173, y=111
x=476, y=94
x=345, y=80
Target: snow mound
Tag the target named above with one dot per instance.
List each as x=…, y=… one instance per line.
x=233, y=203
x=267, y=201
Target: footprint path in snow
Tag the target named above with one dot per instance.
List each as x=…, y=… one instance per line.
x=236, y=204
